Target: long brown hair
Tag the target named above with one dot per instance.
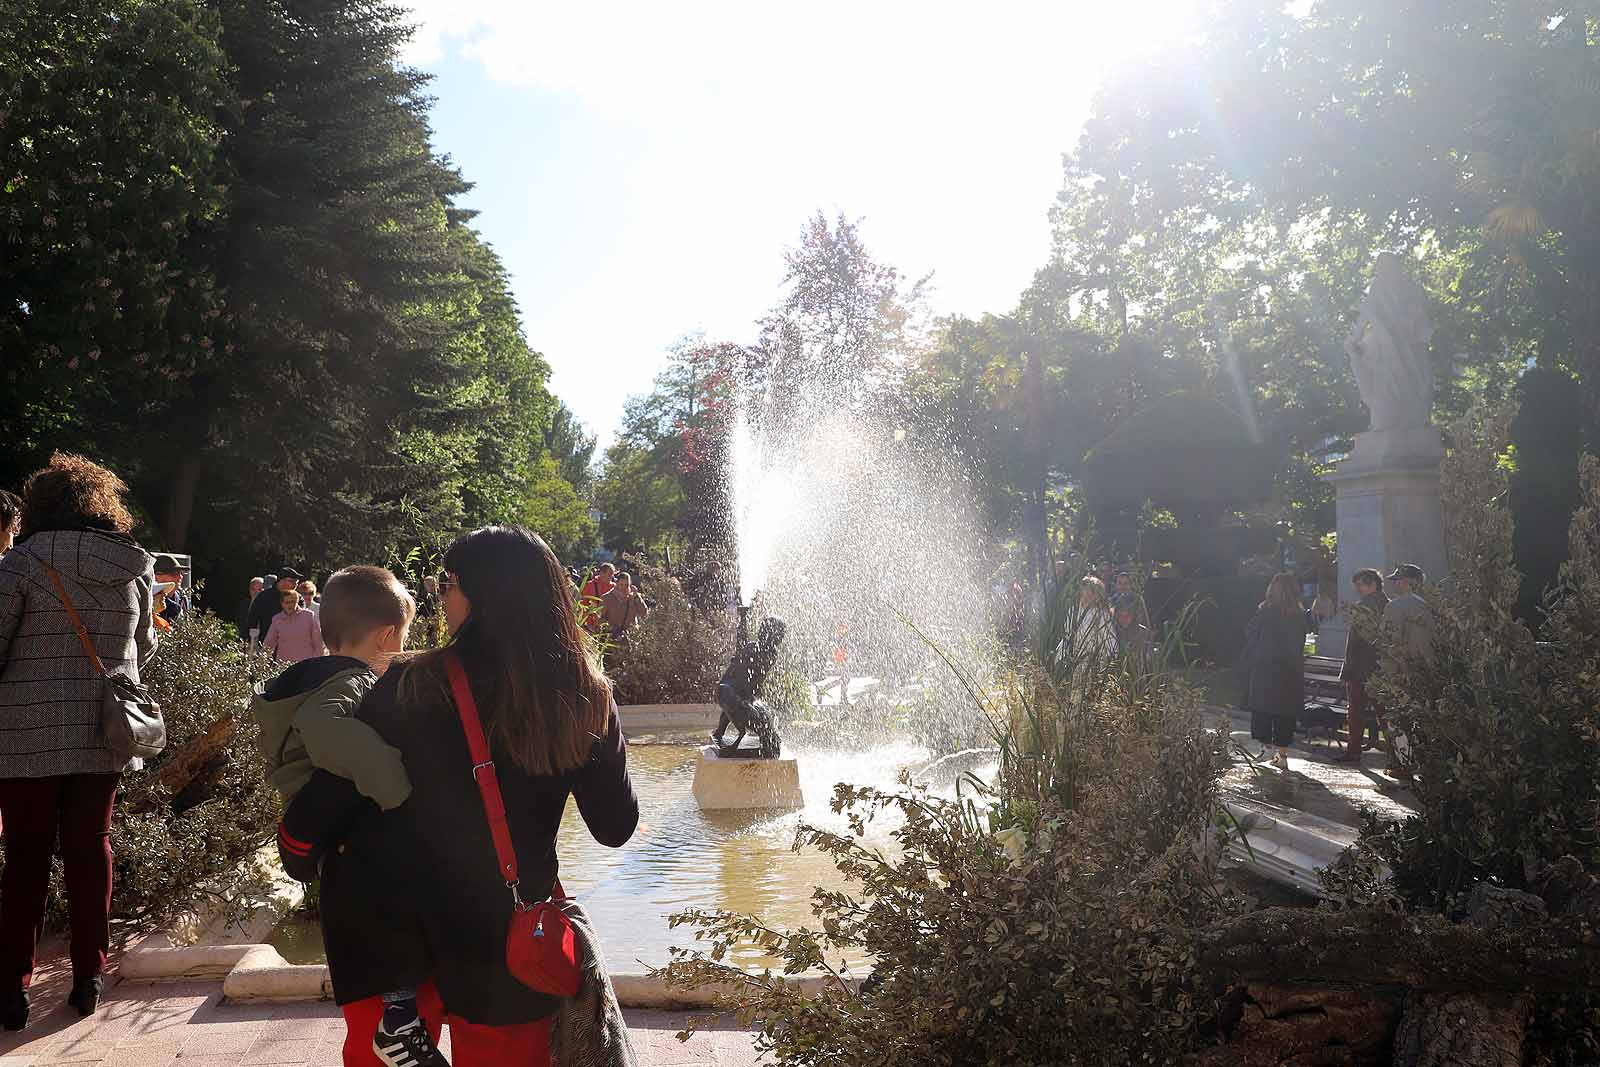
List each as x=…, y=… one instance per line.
x=539, y=689
x=1283, y=593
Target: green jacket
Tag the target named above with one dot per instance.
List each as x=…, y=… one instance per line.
x=307, y=719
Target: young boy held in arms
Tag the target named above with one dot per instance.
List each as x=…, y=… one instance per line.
x=307, y=719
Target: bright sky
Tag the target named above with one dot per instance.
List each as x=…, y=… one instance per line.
x=640, y=167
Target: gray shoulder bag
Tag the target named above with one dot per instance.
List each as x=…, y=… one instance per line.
x=130, y=719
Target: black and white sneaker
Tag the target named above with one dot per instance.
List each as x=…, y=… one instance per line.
x=409, y=1046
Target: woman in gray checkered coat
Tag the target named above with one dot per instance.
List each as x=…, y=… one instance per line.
x=56, y=774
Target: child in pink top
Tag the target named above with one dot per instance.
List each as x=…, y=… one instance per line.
x=295, y=633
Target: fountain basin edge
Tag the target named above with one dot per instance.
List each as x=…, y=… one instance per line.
x=260, y=973
x=696, y=719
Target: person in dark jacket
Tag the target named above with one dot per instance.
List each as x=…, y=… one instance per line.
x=553, y=731
x=57, y=777
x=168, y=569
x=268, y=603
x=1361, y=663
x=1274, y=662
x=242, y=615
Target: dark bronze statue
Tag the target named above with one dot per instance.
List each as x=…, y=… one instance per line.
x=736, y=694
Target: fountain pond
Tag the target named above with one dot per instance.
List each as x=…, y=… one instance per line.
x=683, y=857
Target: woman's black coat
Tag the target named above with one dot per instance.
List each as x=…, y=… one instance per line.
x=417, y=890
x=1274, y=662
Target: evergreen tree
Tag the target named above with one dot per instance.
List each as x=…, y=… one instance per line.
x=247, y=285
x=108, y=146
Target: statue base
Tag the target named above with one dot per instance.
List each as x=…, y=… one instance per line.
x=1385, y=515
x=1414, y=448
x=723, y=784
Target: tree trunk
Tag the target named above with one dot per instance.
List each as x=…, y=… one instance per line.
x=1273, y=1025
x=181, y=767
x=181, y=490
x=1462, y=1030
x=1383, y=950
x=1037, y=490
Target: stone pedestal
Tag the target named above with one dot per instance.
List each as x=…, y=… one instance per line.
x=725, y=784
x=1387, y=513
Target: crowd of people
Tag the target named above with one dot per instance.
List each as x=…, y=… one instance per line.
x=1273, y=662
x=1106, y=617
x=376, y=754
x=281, y=615
x=1108, y=622
x=381, y=758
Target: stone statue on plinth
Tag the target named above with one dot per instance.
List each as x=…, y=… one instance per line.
x=1386, y=494
x=736, y=694
x=1389, y=354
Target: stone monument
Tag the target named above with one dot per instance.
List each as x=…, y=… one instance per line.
x=1387, y=490
x=731, y=774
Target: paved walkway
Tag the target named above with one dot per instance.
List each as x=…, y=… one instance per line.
x=188, y=1025
x=1315, y=782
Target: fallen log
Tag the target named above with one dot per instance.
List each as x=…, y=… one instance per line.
x=1385, y=950
x=184, y=765
x=1280, y=1026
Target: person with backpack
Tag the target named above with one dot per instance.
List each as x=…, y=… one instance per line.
x=512, y=716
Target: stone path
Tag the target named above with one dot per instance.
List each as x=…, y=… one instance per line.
x=1315, y=783
x=188, y=1025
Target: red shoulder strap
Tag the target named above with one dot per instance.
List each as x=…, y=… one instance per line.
x=483, y=773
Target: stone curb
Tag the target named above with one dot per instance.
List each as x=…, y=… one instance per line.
x=260, y=973
x=263, y=974
x=658, y=718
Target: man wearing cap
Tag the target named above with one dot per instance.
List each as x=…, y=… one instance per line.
x=1406, y=616
x=269, y=602
x=168, y=570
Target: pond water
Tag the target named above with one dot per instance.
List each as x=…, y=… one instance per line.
x=682, y=857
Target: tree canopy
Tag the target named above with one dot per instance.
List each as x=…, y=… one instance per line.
x=249, y=287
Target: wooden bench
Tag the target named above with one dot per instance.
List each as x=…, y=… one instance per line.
x=1327, y=703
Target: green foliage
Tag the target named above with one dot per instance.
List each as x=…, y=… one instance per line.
x=553, y=509
x=1462, y=132
x=108, y=146
x=572, y=447
x=196, y=851
x=1048, y=917
x=242, y=279
x=640, y=501
x=677, y=654
x=1501, y=727
x=171, y=857
x=1187, y=454
x=1548, y=438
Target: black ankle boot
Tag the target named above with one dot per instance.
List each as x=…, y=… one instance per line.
x=14, y=1010
x=85, y=995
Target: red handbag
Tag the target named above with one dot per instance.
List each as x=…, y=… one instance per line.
x=541, y=946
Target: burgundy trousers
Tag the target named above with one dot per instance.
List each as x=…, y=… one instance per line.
x=33, y=812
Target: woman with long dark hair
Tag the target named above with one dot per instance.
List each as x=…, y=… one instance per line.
x=552, y=731
x=1274, y=663
x=58, y=779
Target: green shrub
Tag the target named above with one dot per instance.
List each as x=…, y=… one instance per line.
x=677, y=654
x=1047, y=917
x=1186, y=453
x=196, y=850
x=1502, y=726
x=171, y=856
